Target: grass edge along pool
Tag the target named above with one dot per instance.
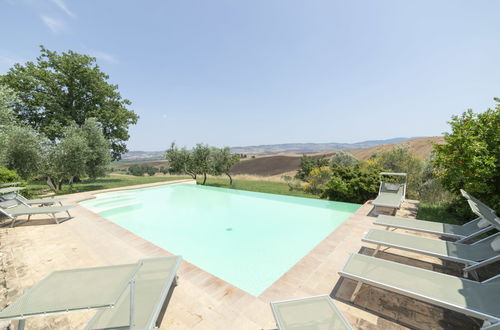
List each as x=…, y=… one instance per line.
x=247, y=239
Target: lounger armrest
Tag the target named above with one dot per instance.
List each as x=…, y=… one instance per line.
x=482, y=263
x=477, y=233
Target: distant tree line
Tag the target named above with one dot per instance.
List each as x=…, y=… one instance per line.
x=202, y=160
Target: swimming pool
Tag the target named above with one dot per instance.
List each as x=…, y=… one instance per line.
x=247, y=239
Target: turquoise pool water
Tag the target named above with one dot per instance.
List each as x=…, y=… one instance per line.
x=245, y=238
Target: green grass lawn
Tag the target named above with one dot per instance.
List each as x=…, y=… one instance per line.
x=111, y=181
x=258, y=186
x=436, y=212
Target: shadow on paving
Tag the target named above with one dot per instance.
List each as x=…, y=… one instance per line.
x=405, y=311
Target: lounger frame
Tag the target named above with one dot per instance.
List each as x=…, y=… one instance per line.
x=458, y=237
x=489, y=321
x=470, y=265
x=330, y=301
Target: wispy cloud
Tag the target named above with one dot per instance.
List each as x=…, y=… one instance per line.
x=62, y=5
x=54, y=24
x=103, y=56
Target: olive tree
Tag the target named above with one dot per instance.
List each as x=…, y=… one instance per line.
x=20, y=145
x=21, y=150
x=67, y=159
x=99, y=158
x=222, y=161
x=180, y=161
x=343, y=158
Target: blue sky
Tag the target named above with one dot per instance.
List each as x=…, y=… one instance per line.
x=268, y=71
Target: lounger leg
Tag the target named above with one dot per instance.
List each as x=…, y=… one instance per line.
x=490, y=325
x=20, y=325
x=67, y=212
x=13, y=222
x=473, y=273
x=356, y=291
x=376, y=250
x=55, y=218
x=132, y=304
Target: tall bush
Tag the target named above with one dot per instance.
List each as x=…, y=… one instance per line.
x=355, y=184
x=470, y=158
x=400, y=159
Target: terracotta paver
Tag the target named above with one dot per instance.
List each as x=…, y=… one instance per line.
x=201, y=301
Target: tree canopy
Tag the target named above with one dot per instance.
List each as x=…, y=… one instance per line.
x=58, y=90
x=201, y=160
x=470, y=158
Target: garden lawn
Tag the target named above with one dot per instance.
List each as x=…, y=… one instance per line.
x=111, y=181
x=437, y=213
x=269, y=187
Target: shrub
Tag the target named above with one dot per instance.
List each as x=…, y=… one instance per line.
x=317, y=179
x=400, y=159
x=355, y=184
x=151, y=170
x=307, y=164
x=141, y=169
x=7, y=175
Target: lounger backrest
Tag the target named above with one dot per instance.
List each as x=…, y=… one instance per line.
x=485, y=213
x=495, y=245
x=389, y=186
x=8, y=204
x=4, y=212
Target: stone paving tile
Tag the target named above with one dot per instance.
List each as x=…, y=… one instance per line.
x=202, y=301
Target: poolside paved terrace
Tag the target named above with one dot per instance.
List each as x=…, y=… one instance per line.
x=32, y=250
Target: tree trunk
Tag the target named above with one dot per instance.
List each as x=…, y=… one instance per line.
x=59, y=186
x=51, y=184
x=230, y=178
x=204, y=178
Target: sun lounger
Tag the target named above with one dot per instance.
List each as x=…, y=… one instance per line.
x=31, y=202
x=9, y=190
x=154, y=285
x=317, y=312
x=133, y=293
x=476, y=201
x=9, y=184
x=472, y=298
x=462, y=233
x=390, y=195
x=473, y=256
x=13, y=210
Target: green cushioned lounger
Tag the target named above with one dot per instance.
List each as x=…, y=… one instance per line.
x=462, y=233
x=154, y=283
x=13, y=211
x=479, y=254
x=476, y=299
x=390, y=195
x=107, y=288
x=317, y=312
x=391, y=198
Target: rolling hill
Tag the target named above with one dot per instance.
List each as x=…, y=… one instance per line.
x=283, y=163
x=278, y=164
x=268, y=149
